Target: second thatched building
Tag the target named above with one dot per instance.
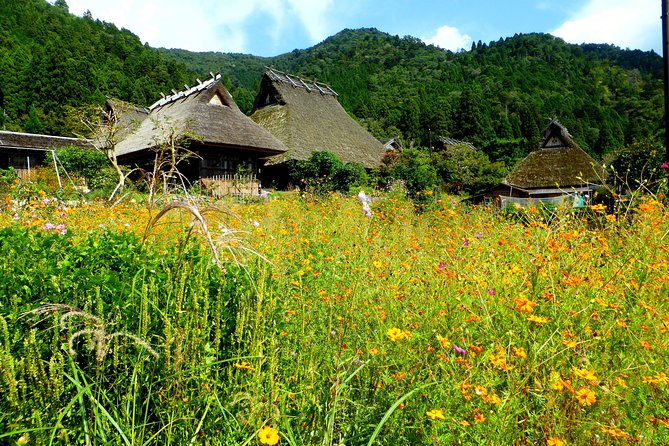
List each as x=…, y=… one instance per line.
x=306, y=117
x=558, y=171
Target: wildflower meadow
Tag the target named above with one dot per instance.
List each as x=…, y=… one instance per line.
x=335, y=320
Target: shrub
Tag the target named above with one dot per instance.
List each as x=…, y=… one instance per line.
x=90, y=164
x=414, y=167
x=323, y=172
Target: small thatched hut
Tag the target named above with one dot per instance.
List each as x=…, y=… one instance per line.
x=556, y=171
x=206, y=120
x=306, y=116
x=23, y=151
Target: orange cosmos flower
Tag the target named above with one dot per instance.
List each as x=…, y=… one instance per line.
x=478, y=416
x=585, y=396
x=586, y=374
x=554, y=441
x=519, y=352
x=524, y=305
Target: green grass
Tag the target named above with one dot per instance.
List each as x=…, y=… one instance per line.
x=302, y=338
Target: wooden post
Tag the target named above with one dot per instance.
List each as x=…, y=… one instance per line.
x=55, y=164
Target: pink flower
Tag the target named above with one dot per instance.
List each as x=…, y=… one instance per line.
x=665, y=165
x=458, y=350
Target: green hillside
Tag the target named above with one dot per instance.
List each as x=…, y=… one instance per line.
x=497, y=95
x=52, y=61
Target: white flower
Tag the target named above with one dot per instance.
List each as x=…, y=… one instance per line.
x=363, y=197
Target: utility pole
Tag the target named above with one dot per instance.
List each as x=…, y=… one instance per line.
x=665, y=55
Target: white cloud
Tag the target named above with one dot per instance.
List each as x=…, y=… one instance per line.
x=626, y=23
x=313, y=15
x=449, y=38
x=209, y=25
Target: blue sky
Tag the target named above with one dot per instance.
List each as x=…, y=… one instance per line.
x=273, y=27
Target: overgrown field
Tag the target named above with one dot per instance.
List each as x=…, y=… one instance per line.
x=457, y=325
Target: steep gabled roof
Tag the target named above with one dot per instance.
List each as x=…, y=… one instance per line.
x=445, y=142
x=32, y=141
x=558, y=162
x=307, y=117
x=206, y=113
x=126, y=117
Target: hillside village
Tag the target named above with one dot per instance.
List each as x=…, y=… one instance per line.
x=372, y=241
x=343, y=96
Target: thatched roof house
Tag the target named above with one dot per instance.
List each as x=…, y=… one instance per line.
x=445, y=143
x=306, y=116
x=23, y=151
x=557, y=168
x=207, y=120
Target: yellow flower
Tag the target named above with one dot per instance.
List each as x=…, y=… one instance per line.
x=519, y=352
x=244, y=366
x=569, y=343
x=444, y=342
x=395, y=334
x=585, y=396
x=586, y=374
x=537, y=319
x=435, y=414
x=554, y=441
x=268, y=435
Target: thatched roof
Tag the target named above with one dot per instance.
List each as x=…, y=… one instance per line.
x=447, y=142
x=31, y=141
x=206, y=113
x=558, y=162
x=307, y=117
x=126, y=118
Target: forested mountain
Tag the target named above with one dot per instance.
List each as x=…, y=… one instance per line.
x=52, y=61
x=497, y=95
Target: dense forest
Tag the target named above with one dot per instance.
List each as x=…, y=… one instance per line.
x=498, y=95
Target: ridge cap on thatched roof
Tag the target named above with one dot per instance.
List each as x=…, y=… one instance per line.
x=555, y=128
x=176, y=95
x=298, y=82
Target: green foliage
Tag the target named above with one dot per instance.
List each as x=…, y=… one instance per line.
x=415, y=169
x=324, y=172
x=501, y=91
x=90, y=164
x=464, y=169
x=7, y=175
x=125, y=301
x=638, y=165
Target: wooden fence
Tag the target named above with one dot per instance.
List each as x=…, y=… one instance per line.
x=222, y=185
